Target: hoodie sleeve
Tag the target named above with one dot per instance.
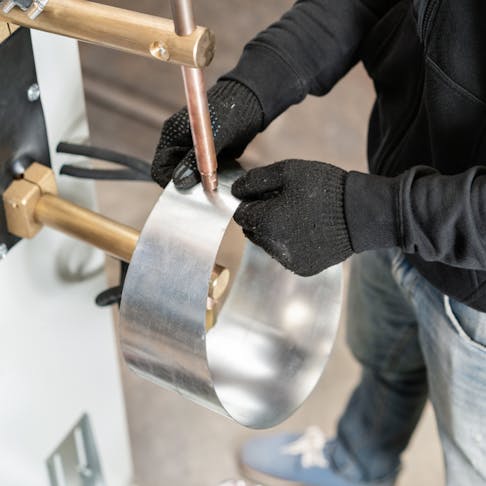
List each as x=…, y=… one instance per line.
x=441, y=218
x=306, y=52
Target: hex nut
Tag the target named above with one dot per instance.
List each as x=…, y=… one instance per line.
x=20, y=200
x=42, y=176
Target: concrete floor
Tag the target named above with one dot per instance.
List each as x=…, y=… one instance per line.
x=174, y=441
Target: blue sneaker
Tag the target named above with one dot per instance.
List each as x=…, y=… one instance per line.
x=300, y=460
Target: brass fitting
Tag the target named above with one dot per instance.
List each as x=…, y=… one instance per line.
x=218, y=285
x=22, y=196
x=32, y=202
x=220, y=278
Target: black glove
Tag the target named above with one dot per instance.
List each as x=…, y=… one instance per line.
x=236, y=118
x=294, y=210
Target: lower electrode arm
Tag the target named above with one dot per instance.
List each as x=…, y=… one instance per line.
x=32, y=202
x=115, y=239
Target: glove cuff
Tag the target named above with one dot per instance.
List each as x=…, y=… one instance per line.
x=237, y=96
x=371, y=208
x=334, y=200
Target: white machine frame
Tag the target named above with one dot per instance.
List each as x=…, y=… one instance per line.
x=58, y=353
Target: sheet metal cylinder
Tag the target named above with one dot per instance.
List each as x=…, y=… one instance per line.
x=273, y=333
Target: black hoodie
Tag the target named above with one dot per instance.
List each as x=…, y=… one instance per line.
x=427, y=59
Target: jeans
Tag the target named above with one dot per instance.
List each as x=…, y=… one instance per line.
x=414, y=343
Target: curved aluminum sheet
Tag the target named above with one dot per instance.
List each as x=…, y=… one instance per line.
x=274, y=332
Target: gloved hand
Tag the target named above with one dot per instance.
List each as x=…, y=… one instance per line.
x=294, y=210
x=236, y=118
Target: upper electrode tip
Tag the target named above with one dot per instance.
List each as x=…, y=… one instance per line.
x=210, y=181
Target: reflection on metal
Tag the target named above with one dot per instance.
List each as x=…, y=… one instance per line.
x=274, y=330
x=75, y=462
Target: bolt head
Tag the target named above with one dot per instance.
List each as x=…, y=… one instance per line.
x=160, y=51
x=33, y=93
x=163, y=52
x=8, y=6
x=86, y=472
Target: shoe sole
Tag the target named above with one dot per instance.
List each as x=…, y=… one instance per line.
x=263, y=479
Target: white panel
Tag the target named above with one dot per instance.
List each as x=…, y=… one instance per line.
x=58, y=356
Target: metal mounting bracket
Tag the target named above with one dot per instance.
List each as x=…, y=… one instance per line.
x=75, y=462
x=33, y=7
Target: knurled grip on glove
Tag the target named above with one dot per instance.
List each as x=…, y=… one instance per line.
x=236, y=118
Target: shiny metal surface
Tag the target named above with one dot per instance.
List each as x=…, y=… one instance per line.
x=273, y=334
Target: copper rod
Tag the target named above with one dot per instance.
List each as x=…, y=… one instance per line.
x=183, y=14
x=114, y=238
x=121, y=29
x=197, y=102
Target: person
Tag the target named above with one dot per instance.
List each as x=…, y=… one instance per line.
x=416, y=224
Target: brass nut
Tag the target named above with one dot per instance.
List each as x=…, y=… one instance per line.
x=160, y=51
x=20, y=200
x=22, y=196
x=218, y=284
x=42, y=176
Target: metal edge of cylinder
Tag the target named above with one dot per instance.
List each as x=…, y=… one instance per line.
x=331, y=280
x=140, y=338
x=142, y=352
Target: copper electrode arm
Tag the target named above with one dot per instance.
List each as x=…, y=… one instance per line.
x=120, y=29
x=197, y=101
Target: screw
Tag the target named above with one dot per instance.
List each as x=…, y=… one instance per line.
x=85, y=472
x=3, y=251
x=160, y=51
x=163, y=52
x=8, y=6
x=36, y=9
x=33, y=93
